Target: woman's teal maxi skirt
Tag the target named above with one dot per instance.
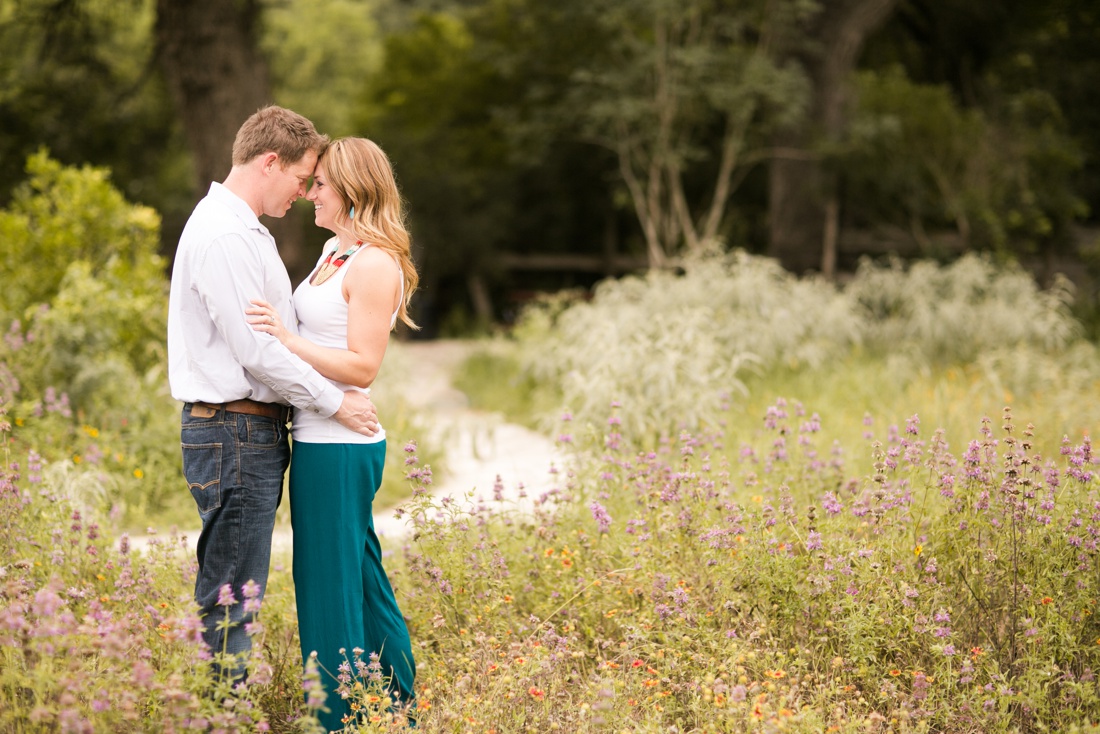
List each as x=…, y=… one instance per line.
x=344, y=597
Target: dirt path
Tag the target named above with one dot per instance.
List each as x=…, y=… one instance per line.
x=478, y=446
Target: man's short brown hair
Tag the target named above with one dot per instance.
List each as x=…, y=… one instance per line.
x=277, y=129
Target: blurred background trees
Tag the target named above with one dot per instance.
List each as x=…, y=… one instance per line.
x=543, y=146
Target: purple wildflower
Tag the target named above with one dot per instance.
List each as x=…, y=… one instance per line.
x=225, y=596
x=599, y=514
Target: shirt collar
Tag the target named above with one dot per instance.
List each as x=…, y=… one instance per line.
x=219, y=193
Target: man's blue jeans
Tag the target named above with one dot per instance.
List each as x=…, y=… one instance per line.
x=234, y=465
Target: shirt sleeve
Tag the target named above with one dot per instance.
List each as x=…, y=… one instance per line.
x=228, y=276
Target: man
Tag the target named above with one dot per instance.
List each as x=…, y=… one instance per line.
x=236, y=383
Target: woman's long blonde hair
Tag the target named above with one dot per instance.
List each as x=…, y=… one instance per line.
x=360, y=172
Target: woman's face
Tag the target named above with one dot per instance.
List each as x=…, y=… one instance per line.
x=326, y=202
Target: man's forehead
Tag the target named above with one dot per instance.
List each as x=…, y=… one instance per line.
x=304, y=167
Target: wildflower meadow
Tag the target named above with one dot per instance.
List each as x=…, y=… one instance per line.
x=784, y=505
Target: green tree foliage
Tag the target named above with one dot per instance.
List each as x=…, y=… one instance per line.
x=76, y=76
x=464, y=105
x=322, y=56
x=608, y=127
x=682, y=94
x=915, y=158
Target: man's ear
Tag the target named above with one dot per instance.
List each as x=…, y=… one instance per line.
x=268, y=161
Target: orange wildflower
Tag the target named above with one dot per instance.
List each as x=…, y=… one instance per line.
x=895, y=672
x=1045, y=600
x=536, y=693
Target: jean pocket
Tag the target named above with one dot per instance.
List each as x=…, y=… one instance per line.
x=202, y=466
x=261, y=433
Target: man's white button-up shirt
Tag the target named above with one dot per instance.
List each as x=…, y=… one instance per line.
x=225, y=259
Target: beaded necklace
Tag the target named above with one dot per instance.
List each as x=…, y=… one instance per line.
x=330, y=266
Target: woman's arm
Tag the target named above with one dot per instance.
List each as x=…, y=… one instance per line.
x=371, y=288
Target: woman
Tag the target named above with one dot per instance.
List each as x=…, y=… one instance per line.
x=346, y=310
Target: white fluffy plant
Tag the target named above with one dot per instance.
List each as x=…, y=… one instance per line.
x=671, y=348
x=955, y=313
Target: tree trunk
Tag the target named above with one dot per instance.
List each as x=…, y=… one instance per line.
x=209, y=53
x=799, y=189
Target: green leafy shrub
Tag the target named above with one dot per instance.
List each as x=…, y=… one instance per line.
x=82, y=364
x=63, y=215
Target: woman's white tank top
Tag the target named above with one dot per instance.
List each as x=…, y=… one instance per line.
x=323, y=319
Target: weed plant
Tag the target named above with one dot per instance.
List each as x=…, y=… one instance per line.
x=717, y=585
x=714, y=584
x=94, y=637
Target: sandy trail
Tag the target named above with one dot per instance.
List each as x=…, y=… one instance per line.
x=478, y=446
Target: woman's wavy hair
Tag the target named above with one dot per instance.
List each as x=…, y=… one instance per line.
x=360, y=172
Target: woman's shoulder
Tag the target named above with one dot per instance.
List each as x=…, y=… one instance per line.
x=372, y=256
x=372, y=263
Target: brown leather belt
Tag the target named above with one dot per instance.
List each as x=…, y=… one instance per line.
x=274, y=411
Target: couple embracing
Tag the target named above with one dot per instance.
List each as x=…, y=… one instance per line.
x=247, y=356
